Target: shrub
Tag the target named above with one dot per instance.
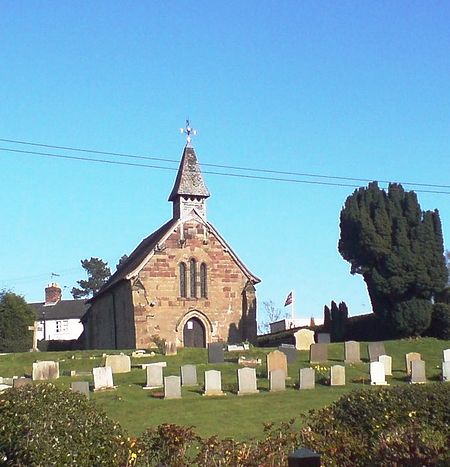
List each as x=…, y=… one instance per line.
x=411, y=317
x=440, y=321
x=366, y=426
x=45, y=425
x=160, y=343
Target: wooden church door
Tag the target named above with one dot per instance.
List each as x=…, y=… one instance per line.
x=194, y=333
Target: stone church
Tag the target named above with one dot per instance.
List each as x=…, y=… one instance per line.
x=182, y=283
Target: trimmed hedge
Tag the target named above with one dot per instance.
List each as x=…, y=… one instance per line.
x=42, y=425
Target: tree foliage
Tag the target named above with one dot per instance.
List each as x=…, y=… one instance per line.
x=15, y=317
x=122, y=260
x=396, y=247
x=97, y=272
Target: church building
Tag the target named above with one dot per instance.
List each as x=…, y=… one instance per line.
x=183, y=283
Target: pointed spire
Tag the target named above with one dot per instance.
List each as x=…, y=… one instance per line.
x=189, y=190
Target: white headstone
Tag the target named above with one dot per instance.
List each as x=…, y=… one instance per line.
x=154, y=376
x=213, y=383
x=189, y=375
x=172, y=387
x=119, y=363
x=337, y=375
x=418, y=375
x=447, y=355
x=446, y=371
x=277, y=380
x=247, y=381
x=45, y=370
x=411, y=357
x=377, y=375
x=103, y=378
x=307, y=378
x=386, y=360
x=303, y=339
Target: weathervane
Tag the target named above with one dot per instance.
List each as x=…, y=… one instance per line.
x=189, y=131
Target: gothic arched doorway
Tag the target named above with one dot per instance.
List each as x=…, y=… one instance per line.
x=194, y=334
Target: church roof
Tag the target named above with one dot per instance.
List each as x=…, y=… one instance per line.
x=189, y=181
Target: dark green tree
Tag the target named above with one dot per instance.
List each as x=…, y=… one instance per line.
x=398, y=249
x=15, y=317
x=122, y=260
x=97, y=272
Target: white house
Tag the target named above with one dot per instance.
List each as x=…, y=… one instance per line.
x=58, y=319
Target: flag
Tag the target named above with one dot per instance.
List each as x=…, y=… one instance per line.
x=288, y=299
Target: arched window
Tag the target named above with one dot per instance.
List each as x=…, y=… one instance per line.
x=183, y=289
x=193, y=277
x=203, y=282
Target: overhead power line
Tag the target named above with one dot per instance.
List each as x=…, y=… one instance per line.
x=247, y=169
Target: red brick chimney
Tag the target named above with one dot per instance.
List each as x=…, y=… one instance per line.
x=52, y=294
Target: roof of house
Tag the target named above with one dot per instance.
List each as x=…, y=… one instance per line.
x=64, y=309
x=189, y=181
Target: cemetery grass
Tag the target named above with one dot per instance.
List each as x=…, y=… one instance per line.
x=239, y=417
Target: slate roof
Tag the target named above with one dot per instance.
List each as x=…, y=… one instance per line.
x=64, y=309
x=189, y=181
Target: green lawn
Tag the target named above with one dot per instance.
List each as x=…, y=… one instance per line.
x=241, y=417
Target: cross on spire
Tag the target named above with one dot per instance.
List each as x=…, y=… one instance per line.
x=188, y=131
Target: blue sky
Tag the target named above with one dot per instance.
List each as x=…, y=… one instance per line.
x=345, y=89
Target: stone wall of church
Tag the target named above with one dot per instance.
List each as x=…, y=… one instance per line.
x=160, y=310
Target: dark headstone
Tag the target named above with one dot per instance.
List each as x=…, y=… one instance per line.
x=290, y=351
x=323, y=338
x=375, y=349
x=318, y=353
x=303, y=458
x=81, y=387
x=19, y=382
x=215, y=352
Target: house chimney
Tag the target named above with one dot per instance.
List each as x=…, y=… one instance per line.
x=52, y=294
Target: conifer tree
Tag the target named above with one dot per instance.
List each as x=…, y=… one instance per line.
x=398, y=249
x=98, y=273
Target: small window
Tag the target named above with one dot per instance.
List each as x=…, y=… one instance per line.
x=183, y=290
x=193, y=267
x=203, y=281
x=62, y=326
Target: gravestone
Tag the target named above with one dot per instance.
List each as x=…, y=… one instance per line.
x=323, y=338
x=251, y=362
x=304, y=457
x=189, y=375
x=45, y=370
x=411, y=357
x=446, y=371
x=337, y=375
x=418, y=372
x=161, y=364
x=318, y=353
x=81, y=387
x=307, y=378
x=375, y=349
x=446, y=355
x=352, y=352
x=377, y=375
x=277, y=380
x=154, y=376
x=103, y=378
x=386, y=360
x=4, y=387
x=235, y=348
x=215, y=352
x=247, y=381
x=172, y=387
x=276, y=360
x=20, y=382
x=118, y=363
x=303, y=339
x=213, y=383
x=290, y=351
x=1, y=379
x=170, y=348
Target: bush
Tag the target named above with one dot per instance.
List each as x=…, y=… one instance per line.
x=45, y=425
x=365, y=427
x=411, y=317
x=440, y=321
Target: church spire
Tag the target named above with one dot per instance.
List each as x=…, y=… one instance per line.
x=189, y=191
